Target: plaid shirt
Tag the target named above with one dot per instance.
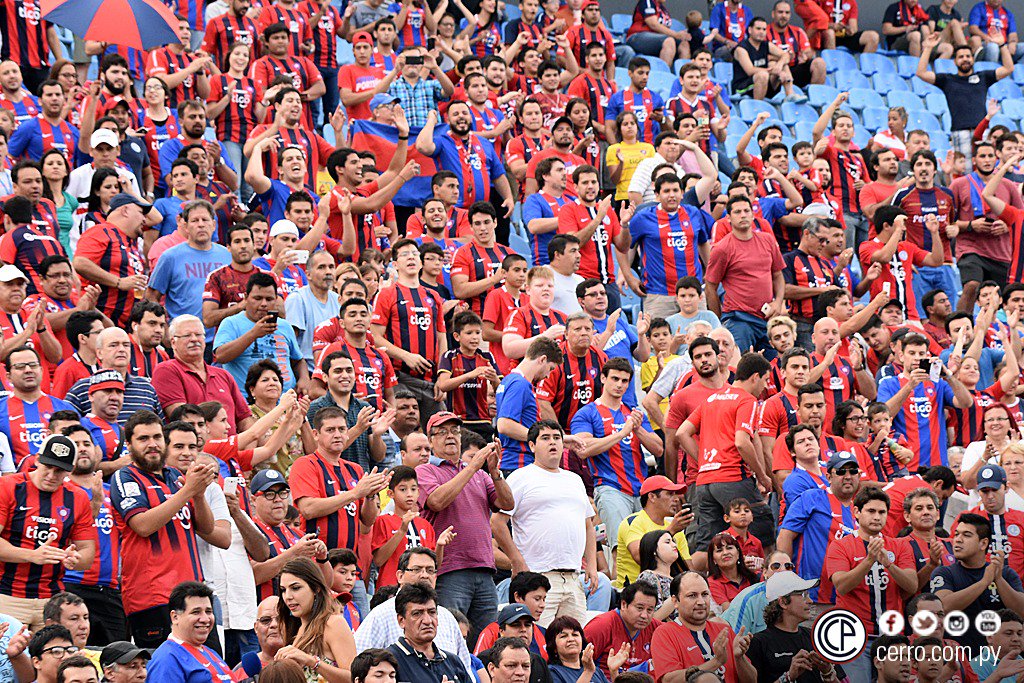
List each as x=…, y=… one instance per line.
x=417, y=100
x=359, y=451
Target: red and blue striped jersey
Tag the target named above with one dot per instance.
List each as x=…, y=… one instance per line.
x=374, y=372
x=804, y=270
x=279, y=538
x=163, y=61
x=105, y=569
x=30, y=517
x=412, y=321
x=488, y=39
x=922, y=553
x=818, y=519
x=192, y=10
x=596, y=257
x=847, y=167
x=469, y=399
x=314, y=148
x=301, y=70
x=106, y=436
x=582, y=35
x=24, y=109
x=35, y=137
x=1014, y=218
x=457, y=226
x=643, y=105
x=478, y=263
x=670, y=244
x=238, y=120
x=528, y=322
x=645, y=9
x=107, y=246
x=414, y=30
x=385, y=62
x=26, y=247
x=152, y=565
x=223, y=31
x=23, y=34
x=921, y=419
x=701, y=108
x=1007, y=534
x=578, y=384
x=323, y=33
x=157, y=133
x=314, y=476
x=25, y=423
x=622, y=466
x=295, y=20
x=878, y=592
x=596, y=92
x=883, y=464
x=966, y=422
x=919, y=204
x=839, y=382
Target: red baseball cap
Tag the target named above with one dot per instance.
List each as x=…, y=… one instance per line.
x=659, y=483
x=438, y=419
x=362, y=37
x=588, y=3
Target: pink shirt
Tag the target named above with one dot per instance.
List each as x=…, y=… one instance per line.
x=163, y=244
x=176, y=383
x=469, y=514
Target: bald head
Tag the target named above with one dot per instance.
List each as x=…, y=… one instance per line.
x=113, y=349
x=825, y=334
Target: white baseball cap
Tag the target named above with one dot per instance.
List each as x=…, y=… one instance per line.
x=9, y=273
x=103, y=136
x=284, y=227
x=781, y=584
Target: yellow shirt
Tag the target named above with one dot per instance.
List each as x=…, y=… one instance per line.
x=632, y=529
x=648, y=371
x=632, y=155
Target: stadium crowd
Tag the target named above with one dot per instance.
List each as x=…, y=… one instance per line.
x=464, y=341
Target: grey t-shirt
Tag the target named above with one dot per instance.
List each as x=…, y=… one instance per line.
x=364, y=14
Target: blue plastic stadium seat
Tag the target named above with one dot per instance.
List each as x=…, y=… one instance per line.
x=622, y=77
x=736, y=126
x=1002, y=90
x=875, y=118
x=1002, y=120
x=679, y=64
x=722, y=72
x=863, y=97
x=1013, y=108
x=944, y=66
x=924, y=120
x=803, y=130
x=345, y=54
x=861, y=137
x=661, y=82
x=907, y=100
x=512, y=12
x=789, y=141
x=906, y=65
x=921, y=87
x=520, y=245
x=791, y=113
x=838, y=60
x=678, y=25
x=731, y=141
x=846, y=80
x=885, y=83
x=936, y=104
x=749, y=109
x=821, y=95
x=658, y=64
x=1018, y=74
x=620, y=24
x=985, y=66
x=874, y=63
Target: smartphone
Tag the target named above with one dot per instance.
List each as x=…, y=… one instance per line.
x=231, y=484
x=588, y=132
x=765, y=309
x=685, y=508
x=887, y=288
x=301, y=255
x=414, y=60
x=935, y=370
x=431, y=43
x=925, y=364
x=273, y=317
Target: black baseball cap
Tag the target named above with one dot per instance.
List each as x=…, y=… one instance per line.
x=58, y=451
x=121, y=652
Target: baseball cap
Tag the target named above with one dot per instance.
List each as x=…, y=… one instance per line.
x=659, y=483
x=103, y=136
x=781, y=584
x=284, y=227
x=124, y=199
x=560, y=120
x=512, y=613
x=362, y=37
x=57, y=451
x=381, y=99
x=590, y=3
x=264, y=479
x=438, y=419
x=121, y=652
x=841, y=459
x=106, y=379
x=991, y=477
x=9, y=273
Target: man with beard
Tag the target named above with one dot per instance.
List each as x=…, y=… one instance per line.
x=819, y=517
x=473, y=159
x=710, y=378
x=111, y=88
x=99, y=584
x=966, y=89
x=559, y=147
x=48, y=130
x=418, y=658
x=225, y=286
x=192, y=124
x=160, y=515
x=444, y=188
x=983, y=246
x=183, y=656
x=41, y=544
x=25, y=413
x=594, y=84
x=678, y=645
x=234, y=26
x=148, y=325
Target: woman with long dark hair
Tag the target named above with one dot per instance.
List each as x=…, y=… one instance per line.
x=659, y=562
x=106, y=183
x=316, y=635
x=55, y=182
x=727, y=573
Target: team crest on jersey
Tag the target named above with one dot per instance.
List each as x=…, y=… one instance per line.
x=1013, y=530
x=903, y=256
x=132, y=489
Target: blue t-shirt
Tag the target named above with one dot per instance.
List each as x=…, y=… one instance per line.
x=6, y=668
x=536, y=206
x=797, y=482
x=620, y=345
x=304, y=311
x=281, y=347
x=272, y=202
x=292, y=279
x=818, y=517
x=169, y=208
x=180, y=275
x=171, y=662
x=990, y=358
x=517, y=401
x=678, y=322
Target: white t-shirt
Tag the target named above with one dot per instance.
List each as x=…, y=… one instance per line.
x=565, y=293
x=549, y=521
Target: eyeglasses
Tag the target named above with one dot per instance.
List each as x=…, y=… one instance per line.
x=61, y=650
x=34, y=365
x=275, y=495
x=857, y=418
x=429, y=571
x=444, y=431
x=776, y=566
x=266, y=621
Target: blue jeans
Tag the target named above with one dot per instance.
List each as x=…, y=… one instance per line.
x=749, y=331
x=860, y=668
x=472, y=592
x=328, y=102
x=614, y=506
x=360, y=599
x=856, y=229
x=623, y=53
x=599, y=601
x=646, y=43
x=233, y=150
x=944, y=277
x=614, y=297
x=990, y=53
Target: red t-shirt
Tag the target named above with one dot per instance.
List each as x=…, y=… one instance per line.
x=724, y=414
x=498, y=309
x=745, y=269
x=723, y=590
x=359, y=79
x=878, y=592
x=684, y=403
x=676, y=648
x=419, y=534
x=608, y=632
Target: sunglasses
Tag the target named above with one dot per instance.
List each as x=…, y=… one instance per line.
x=776, y=566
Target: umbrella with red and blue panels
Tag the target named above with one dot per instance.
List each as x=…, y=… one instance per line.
x=142, y=24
